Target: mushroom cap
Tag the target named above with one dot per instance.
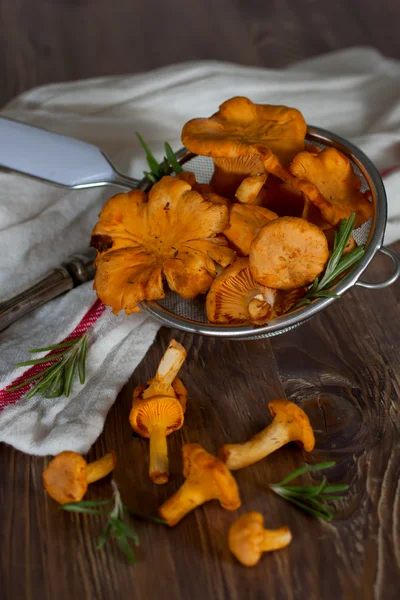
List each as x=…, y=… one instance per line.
x=170, y=234
x=293, y=415
x=208, y=472
x=157, y=411
x=65, y=477
x=248, y=191
x=245, y=221
x=246, y=537
x=339, y=195
x=235, y=297
x=240, y=125
x=288, y=253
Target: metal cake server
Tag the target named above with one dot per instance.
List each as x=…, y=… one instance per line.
x=63, y=161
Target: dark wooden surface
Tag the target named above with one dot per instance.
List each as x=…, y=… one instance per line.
x=342, y=367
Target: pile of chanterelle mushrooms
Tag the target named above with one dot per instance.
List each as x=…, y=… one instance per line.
x=158, y=409
x=253, y=240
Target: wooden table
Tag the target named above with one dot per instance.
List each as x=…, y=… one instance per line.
x=342, y=367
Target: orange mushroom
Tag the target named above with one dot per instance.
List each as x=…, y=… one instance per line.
x=339, y=195
x=288, y=253
x=236, y=298
x=207, y=478
x=248, y=191
x=158, y=409
x=67, y=476
x=171, y=234
x=290, y=424
x=245, y=221
x=231, y=136
x=248, y=539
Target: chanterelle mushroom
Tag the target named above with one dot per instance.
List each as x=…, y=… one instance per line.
x=231, y=137
x=236, y=298
x=158, y=409
x=207, y=478
x=68, y=475
x=339, y=195
x=290, y=424
x=171, y=234
x=248, y=539
x=245, y=221
x=288, y=253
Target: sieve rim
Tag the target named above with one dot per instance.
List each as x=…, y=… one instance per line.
x=279, y=325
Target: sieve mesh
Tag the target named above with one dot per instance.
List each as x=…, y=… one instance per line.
x=202, y=167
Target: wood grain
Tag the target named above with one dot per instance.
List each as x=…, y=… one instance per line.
x=342, y=367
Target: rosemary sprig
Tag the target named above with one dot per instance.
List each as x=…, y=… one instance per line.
x=115, y=526
x=337, y=264
x=157, y=171
x=56, y=379
x=310, y=498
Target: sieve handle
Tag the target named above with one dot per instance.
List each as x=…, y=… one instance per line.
x=393, y=277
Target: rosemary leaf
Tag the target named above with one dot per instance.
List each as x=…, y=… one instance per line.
x=56, y=346
x=143, y=517
x=337, y=264
x=151, y=161
x=172, y=159
x=49, y=374
x=310, y=498
x=25, y=382
x=56, y=379
x=104, y=536
x=307, y=469
x=85, y=504
x=45, y=359
x=69, y=373
x=82, y=360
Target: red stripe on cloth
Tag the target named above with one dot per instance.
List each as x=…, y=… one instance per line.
x=389, y=171
x=7, y=398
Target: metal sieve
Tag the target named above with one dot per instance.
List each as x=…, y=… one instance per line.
x=76, y=165
x=190, y=315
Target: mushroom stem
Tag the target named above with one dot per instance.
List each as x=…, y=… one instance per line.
x=188, y=497
x=290, y=424
x=158, y=468
x=274, y=539
x=259, y=308
x=167, y=371
x=100, y=468
x=237, y=456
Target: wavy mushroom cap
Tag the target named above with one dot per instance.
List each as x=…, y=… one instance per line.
x=232, y=136
x=248, y=539
x=201, y=468
x=245, y=221
x=170, y=234
x=339, y=195
x=158, y=411
x=296, y=420
x=65, y=477
x=240, y=125
x=235, y=297
x=288, y=253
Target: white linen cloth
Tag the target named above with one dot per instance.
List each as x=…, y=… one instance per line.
x=355, y=93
